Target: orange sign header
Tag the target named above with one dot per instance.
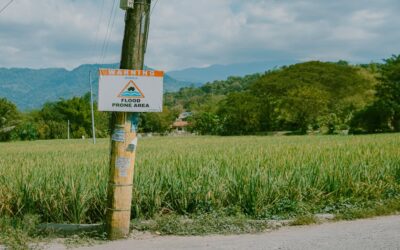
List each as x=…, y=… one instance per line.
x=130, y=72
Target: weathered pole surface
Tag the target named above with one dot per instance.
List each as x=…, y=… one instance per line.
x=124, y=125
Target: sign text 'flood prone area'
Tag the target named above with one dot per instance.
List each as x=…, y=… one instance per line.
x=131, y=103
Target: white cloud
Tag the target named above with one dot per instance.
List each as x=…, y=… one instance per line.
x=55, y=33
x=273, y=30
x=62, y=33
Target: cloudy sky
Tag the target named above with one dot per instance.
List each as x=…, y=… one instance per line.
x=198, y=33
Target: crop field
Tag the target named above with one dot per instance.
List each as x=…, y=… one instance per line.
x=257, y=177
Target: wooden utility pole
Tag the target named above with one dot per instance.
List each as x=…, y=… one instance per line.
x=124, y=126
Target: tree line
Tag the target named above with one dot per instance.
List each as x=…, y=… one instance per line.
x=310, y=97
x=51, y=121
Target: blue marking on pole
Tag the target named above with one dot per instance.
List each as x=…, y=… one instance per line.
x=134, y=117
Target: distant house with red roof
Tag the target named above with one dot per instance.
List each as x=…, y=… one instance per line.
x=180, y=125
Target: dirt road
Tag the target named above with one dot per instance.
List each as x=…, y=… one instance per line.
x=377, y=233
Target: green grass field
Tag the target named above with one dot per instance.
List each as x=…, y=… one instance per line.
x=256, y=177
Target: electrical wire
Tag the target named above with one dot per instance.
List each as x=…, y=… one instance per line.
x=154, y=6
x=94, y=49
x=147, y=35
x=106, y=37
x=6, y=6
x=110, y=27
x=106, y=34
x=110, y=33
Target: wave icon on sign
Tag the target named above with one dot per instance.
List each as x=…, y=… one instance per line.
x=131, y=90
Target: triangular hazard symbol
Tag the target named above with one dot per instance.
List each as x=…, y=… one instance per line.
x=131, y=90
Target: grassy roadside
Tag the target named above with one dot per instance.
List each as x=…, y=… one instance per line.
x=19, y=233
x=24, y=234
x=214, y=223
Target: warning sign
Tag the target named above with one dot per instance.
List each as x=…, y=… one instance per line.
x=123, y=90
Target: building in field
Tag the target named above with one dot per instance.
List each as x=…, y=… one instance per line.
x=181, y=123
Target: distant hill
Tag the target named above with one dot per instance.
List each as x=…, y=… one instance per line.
x=31, y=88
x=338, y=80
x=222, y=72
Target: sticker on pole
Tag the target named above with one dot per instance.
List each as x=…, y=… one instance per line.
x=123, y=90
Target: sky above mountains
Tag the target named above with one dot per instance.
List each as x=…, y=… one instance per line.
x=199, y=33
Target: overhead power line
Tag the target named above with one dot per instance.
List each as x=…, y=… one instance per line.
x=154, y=6
x=6, y=6
x=95, y=48
x=110, y=33
x=151, y=12
x=110, y=27
x=107, y=35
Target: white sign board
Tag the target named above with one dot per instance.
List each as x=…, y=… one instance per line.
x=126, y=4
x=122, y=90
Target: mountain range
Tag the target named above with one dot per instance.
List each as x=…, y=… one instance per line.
x=221, y=72
x=31, y=88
